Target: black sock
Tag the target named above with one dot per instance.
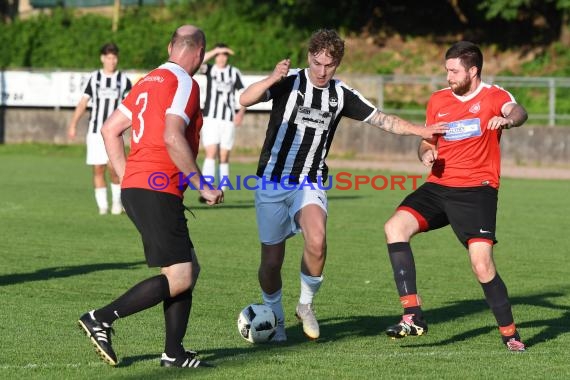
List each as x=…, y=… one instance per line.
x=404, y=268
x=143, y=295
x=176, y=315
x=498, y=300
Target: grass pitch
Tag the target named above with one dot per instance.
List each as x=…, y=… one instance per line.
x=60, y=259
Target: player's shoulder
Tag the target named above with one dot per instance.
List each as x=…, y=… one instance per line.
x=446, y=91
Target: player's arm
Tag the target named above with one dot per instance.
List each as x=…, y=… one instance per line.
x=514, y=116
x=112, y=132
x=427, y=152
x=215, y=51
x=398, y=126
x=255, y=93
x=79, y=111
x=181, y=154
x=239, y=116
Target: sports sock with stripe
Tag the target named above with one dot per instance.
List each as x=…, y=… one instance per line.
x=404, y=269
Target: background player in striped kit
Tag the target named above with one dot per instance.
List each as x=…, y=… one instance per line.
x=106, y=89
x=220, y=116
x=307, y=107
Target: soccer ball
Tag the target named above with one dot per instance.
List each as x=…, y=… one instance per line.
x=256, y=323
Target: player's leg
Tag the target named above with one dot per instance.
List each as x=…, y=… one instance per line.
x=210, y=141
x=496, y=294
x=399, y=229
x=97, y=157
x=309, y=212
x=225, y=166
x=182, y=277
x=418, y=212
x=100, y=186
x=274, y=227
x=269, y=275
x=116, y=205
x=472, y=214
x=227, y=139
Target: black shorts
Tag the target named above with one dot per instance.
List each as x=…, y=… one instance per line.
x=159, y=218
x=471, y=211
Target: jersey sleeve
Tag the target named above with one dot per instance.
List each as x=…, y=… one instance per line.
x=430, y=112
x=88, y=91
x=356, y=106
x=500, y=99
x=281, y=88
x=239, y=82
x=128, y=88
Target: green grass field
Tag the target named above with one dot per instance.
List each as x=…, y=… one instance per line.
x=59, y=259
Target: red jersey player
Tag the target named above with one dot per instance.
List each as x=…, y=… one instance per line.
x=461, y=189
x=163, y=109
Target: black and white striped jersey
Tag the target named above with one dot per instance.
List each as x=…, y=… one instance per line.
x=302, y=125
x=106, y=93
x=221, y=88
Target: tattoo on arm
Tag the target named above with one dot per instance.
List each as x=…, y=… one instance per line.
x=390, y=123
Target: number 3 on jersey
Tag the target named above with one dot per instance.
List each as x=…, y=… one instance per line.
x=143, y=97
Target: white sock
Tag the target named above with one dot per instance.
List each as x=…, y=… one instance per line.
x=101, y=198
x=209, y=168
x=116, y=193
x=274, y=302
x=309, y=287
x=225, y=174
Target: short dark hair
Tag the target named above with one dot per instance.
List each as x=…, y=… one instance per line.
x=468, y=53
x=109, y=48
x=329, y=41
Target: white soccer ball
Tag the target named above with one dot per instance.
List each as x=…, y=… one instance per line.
x=256, y=323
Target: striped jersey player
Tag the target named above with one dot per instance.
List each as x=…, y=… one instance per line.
x=221, y=114
x=307, y=107
x=105, y=90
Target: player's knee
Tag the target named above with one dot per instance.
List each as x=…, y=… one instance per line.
x=394, y=229
x=483, y=271
x=179, y=280
x=316, y=246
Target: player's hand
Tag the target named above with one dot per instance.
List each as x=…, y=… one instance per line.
x=224, y=50
x=238, y=118
x=212, y=196
x=429, y=157
x=498, y=122
x=281, y=70
x=431, y=132
x=71, y=132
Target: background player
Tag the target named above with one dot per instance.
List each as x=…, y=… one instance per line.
x=220, y=117
x=461, y=189
x=106, y=89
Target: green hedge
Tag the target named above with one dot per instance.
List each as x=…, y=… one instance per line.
x=64, y=40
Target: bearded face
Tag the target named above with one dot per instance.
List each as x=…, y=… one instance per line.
x=459, y=78
x=461, y=86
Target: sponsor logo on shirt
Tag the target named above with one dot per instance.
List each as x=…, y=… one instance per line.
x=313, y=118
x=463, y=129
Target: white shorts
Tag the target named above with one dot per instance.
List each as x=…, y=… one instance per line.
x=96, y=153
x=218, y=132
x=276, y=209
